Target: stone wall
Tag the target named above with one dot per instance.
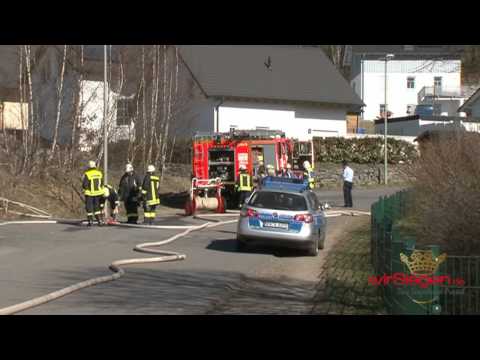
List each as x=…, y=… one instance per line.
x=329, y=174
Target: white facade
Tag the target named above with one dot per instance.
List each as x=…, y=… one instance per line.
x=92, y=104
x=302, y=123
x=416, y=127
x=369, y=84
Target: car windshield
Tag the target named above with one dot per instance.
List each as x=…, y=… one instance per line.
x=278, y=201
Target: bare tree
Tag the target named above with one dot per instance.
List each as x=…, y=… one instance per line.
x=59, y=103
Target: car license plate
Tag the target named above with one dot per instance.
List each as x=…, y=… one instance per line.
x=276, y=225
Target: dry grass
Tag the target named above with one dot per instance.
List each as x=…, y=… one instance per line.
x=447, y=193
x=59, y=192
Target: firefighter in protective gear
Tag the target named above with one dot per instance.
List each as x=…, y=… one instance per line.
x=151, y=198
x=129, y=191
x=92, y=185
x=244, y=185
x=111, y=195
x=270, y=173
x=289, y=173
x=308, y=175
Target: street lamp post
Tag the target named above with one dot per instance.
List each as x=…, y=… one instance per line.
x=105, y=115
x=385, y=117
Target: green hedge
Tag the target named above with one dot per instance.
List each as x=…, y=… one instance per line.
x=362, y=151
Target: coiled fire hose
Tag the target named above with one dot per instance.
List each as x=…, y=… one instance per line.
x=116, y=266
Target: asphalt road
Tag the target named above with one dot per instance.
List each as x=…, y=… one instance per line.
x=214, y=279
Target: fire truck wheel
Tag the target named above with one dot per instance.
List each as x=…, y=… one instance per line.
x=225, y=204
x=188, y=208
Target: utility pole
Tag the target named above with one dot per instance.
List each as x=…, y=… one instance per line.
x=385, y=117
x=105, y=115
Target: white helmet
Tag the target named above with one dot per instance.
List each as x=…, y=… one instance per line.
x=289, y=166
x=243, y=167
x=151, y=168
x=128, y=168
x=92, y=164
x=106, y=192
x=306, y=164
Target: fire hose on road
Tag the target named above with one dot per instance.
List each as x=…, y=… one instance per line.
x=116, y=266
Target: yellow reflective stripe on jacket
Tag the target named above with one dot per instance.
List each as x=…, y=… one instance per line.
x=94, y=178
x=154, y=184
x=245, y=183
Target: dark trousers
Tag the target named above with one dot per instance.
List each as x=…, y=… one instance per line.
x=131, y=208
x=347, y=193
x=149, y=212
x=92, y=205
x=243, y=196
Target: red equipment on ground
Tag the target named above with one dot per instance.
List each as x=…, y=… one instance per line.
x=200, y=199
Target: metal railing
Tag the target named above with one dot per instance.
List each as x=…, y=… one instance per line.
x=438, y=92
x=388, y=241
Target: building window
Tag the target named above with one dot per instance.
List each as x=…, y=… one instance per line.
x=382, y=109
x=437, y=82
x=125, y=111
x=410, y=82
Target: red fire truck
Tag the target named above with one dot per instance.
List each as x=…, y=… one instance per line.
x=218, y=156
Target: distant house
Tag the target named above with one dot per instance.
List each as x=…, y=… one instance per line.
x=82, y=97
x=418, y=74
x=417, y=124
x=294, y=89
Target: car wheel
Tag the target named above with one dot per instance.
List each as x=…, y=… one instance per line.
x=321, y=243
x=241, y=244
x=313, y=251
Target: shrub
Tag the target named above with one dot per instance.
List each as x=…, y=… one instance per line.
x=447, y=193
x=362, y=151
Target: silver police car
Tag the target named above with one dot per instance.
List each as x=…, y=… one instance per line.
x=283, y=214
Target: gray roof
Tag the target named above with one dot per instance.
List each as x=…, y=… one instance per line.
x=296, y=74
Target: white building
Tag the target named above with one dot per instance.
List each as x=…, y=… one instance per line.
x=296, y=90
x=83, y=96
x=415, y=71
x=416, y=124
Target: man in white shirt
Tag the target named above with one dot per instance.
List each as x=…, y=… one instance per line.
x=347, y=184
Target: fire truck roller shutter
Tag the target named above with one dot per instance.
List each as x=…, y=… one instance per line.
x=269, y=155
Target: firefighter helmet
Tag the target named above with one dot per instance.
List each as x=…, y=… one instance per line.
x=242, y=168
x=106, y=192
x=92, y=164
x=289, y=166
x=306, y=165
x=151, y=168
x=128, y=168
